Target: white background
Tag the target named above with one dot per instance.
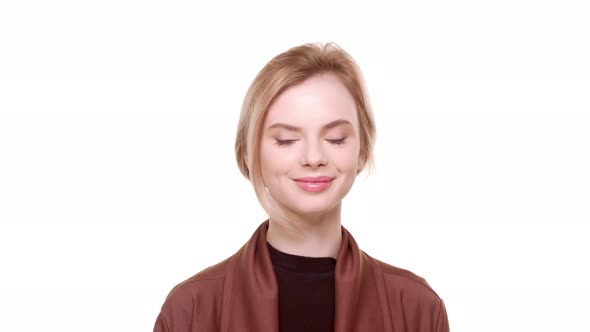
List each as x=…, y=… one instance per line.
x=117, y=170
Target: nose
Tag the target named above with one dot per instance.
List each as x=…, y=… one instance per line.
x=313, y=155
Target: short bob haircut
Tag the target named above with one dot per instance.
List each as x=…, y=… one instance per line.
x=285, y=70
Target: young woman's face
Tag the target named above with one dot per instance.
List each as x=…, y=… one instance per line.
x=311, y=130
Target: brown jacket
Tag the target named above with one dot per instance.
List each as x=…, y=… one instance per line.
x=240, y=294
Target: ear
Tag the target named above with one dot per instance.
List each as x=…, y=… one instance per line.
x=361, y=163
x=247, y=167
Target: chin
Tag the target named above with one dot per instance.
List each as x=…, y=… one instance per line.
x=314, y=208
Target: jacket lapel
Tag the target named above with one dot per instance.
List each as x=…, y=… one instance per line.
x=360, y=306
x=250, y=294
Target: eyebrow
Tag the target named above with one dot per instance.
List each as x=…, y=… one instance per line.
x=327, y=126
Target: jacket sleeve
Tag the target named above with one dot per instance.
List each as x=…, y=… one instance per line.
x=161, y=324
x=442, y=322
x=177, y=312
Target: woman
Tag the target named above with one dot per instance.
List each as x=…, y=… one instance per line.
x=305, y=132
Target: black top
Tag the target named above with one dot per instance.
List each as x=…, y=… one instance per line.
x=306, y=291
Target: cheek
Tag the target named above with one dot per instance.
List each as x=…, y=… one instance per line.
x=347, y=160
x=274, y=161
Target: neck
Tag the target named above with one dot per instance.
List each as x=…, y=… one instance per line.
x=319, y=236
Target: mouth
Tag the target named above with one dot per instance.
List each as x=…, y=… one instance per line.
x=315, y=179
x=317, y=184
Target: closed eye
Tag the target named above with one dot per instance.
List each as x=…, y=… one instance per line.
x=285, y=142
x=337, y=141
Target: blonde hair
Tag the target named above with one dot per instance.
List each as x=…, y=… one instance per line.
x=283, y=71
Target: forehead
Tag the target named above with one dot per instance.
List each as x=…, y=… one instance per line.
x=313, y=103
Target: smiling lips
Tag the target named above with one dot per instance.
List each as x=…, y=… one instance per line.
x=314, y=184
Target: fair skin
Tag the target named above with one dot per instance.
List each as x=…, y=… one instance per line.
x=321, y=138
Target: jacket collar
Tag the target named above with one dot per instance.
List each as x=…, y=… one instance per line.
x=250, y=295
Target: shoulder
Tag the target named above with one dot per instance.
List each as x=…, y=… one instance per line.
x=197, y=298
x=410, y=293
x=406, y=285
x=211, y=275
